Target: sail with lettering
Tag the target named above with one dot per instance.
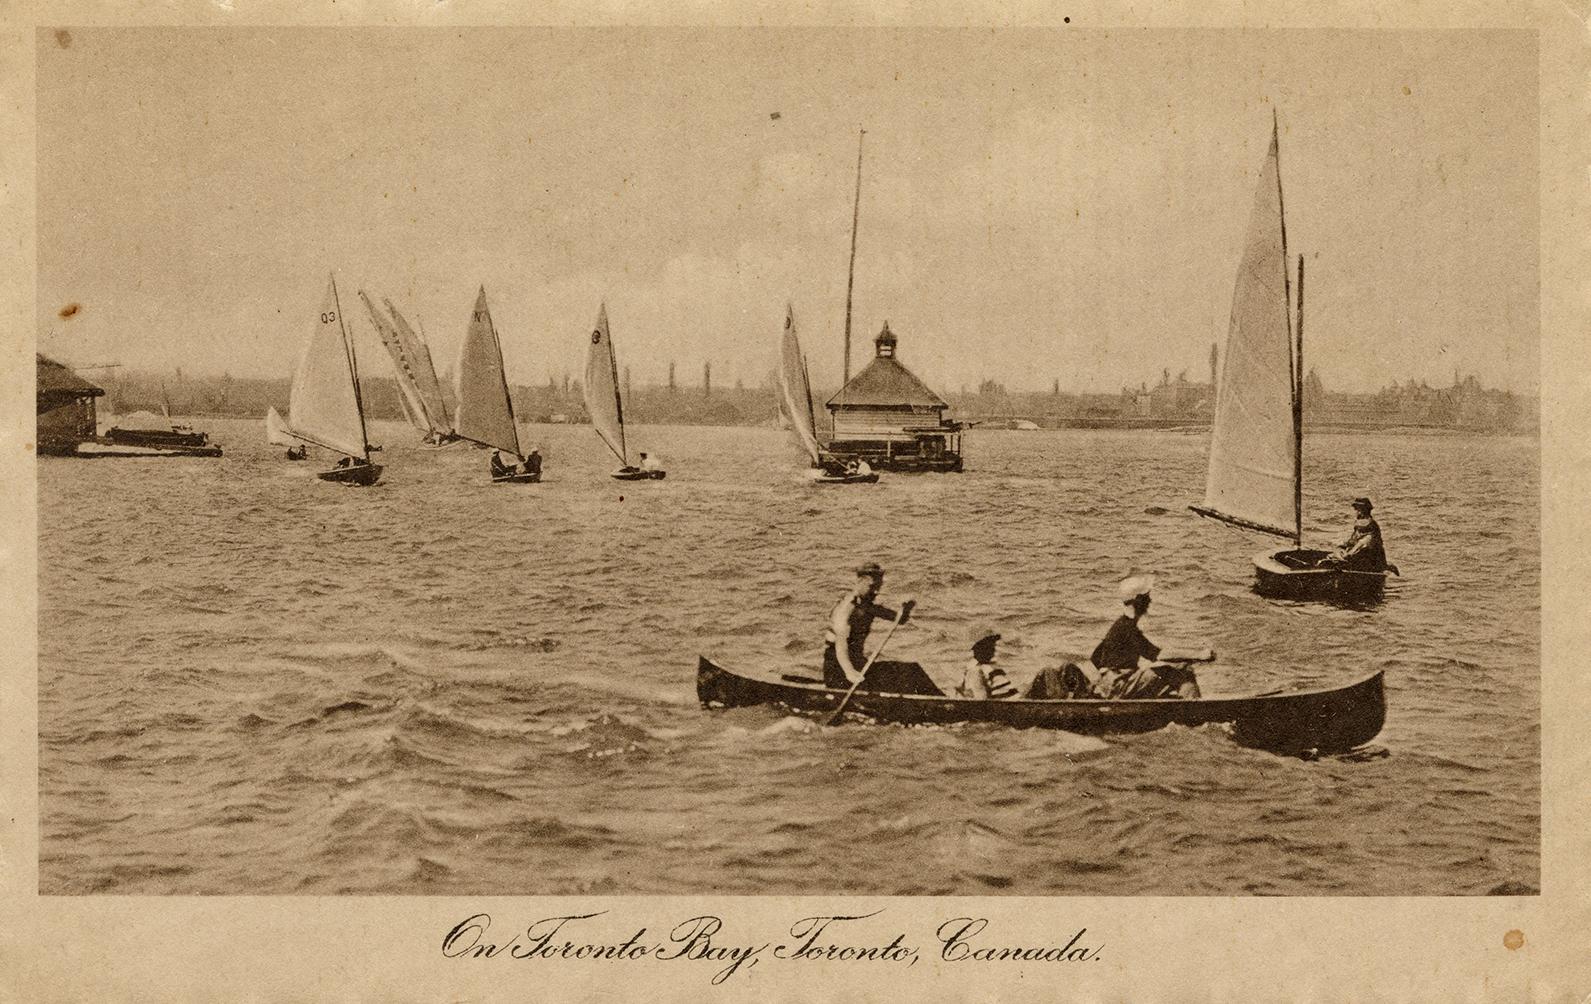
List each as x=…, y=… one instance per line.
x=427, y=385
x=324, y=407
x=1255, y=456
x=795, y=389
x=403, y=364
x=485, y=414
x=601, y=388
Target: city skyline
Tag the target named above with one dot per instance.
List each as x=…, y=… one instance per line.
x=1036, y=205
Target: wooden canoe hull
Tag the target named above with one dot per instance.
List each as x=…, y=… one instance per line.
x=359, y=474
x=1320, y=721
x=1284, y=575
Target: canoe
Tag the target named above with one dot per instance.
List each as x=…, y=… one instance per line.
x=157, y=438
x=358, y=474
x=1334, y=720
x=1290, y=574
x=636, y=474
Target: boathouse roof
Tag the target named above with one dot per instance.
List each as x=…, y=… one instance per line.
x=57, y=383
x=885, y=383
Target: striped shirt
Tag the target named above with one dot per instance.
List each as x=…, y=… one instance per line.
x=991, y=677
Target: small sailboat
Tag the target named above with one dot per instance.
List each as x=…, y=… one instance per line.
x=325, y=408
x=485, y=413
x=276, y=433
x=419, y=391
x=795, y=404
x=1255, y=478
x=604, y=404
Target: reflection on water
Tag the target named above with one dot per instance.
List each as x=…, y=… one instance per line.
x=252, y=681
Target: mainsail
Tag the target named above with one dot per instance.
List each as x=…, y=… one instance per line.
x=1254, y=472
x=602, y=388
x=324, y=407
x=795, y=388
x=404, y=365
x=485, y=415
x=430, y=389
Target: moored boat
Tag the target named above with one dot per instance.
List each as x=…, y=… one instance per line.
x=1332, y=720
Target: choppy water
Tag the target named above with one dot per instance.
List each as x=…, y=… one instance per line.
x=254, y=682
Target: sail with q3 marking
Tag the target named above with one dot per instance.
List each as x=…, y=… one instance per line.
x=795, y=388
x=324, y=406
x=1253, y=469
x=485, y=414
x=602, y=388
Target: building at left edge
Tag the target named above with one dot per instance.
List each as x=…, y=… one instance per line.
x=66, y=408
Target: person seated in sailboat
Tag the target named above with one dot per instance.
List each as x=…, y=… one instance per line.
x=298, y=452
x=650, y=463
x=1130, y=665
x=844, y=642
x=1363, y=551
x=500, y=467
x=533, y=462
x=985, y=679
x=345, y=462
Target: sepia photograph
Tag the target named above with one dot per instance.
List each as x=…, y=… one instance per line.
x=853, y=462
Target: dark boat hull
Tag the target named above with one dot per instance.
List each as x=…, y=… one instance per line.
x=157, y=438
x=1289, y=574
x=847, y=479
x=519, y=478
x=361, y=474
x=1321, y=721
x=638, y=475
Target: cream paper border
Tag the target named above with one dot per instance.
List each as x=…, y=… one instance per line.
x=388, y=948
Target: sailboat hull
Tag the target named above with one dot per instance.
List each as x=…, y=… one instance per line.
x=638, y=475
x=846, y=479
x=1290, y=574
x=521, y=478
x=360, y=474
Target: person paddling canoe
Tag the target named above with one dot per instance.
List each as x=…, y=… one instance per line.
x=844, y=641
x=1363, y=551
x=1130, y=665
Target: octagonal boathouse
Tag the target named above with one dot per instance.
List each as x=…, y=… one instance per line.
x=891, y=419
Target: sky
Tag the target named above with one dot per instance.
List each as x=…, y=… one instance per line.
x=1037, y=205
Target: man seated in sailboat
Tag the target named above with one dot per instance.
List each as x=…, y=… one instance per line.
x=1130, y=665
x=533, y=463
x=844, y=642
x=298, y=452
x=500, y=467
x=1363, y=551
x=650, y=463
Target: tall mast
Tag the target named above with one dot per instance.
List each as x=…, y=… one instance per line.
x=850, y=278
x=508, y=395
x=1295, y=374
x=1298, y=419
x=618, y=402
x=353, y=366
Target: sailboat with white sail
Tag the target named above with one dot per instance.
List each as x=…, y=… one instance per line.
x=1255, y=478
x=604, y=405
x=325, y=408
x=419, y=391
x=795, y=403
x=485, y=413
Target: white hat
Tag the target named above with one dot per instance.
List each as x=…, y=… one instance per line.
x=1135, y=586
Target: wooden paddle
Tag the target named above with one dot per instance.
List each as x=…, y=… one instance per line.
x=871, y=659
